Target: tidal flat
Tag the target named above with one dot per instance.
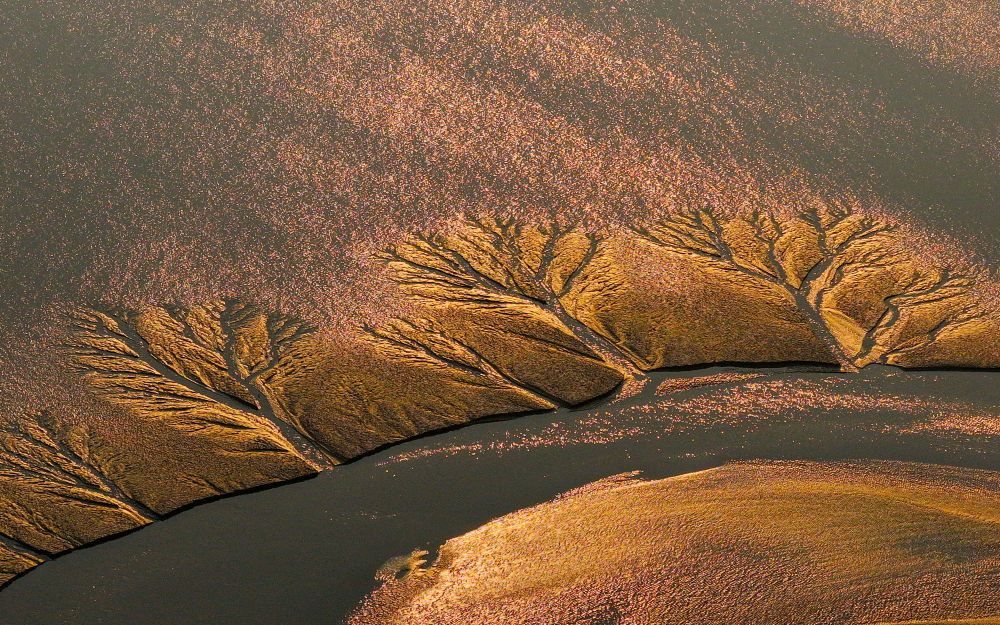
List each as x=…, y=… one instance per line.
x=229, y=563
x=296, y=294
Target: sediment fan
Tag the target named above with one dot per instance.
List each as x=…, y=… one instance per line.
x=777, y=542
x=720, y=177
x=502, y=317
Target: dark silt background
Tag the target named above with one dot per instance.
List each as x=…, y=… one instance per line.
x=132, y=168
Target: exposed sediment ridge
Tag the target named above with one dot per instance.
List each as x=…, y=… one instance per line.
x=194, y=149
x=783, y=542
x=502, y=317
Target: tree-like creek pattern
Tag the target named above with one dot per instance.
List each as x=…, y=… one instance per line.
x=843, y=287
x=866, y=298
x=502, y=317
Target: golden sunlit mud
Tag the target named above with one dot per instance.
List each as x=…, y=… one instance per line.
x=774, y=542
x=243, y=243
x=14, y=561
x=820, y=285
x=496, y=317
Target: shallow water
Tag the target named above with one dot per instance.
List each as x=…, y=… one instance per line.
x=308, y=552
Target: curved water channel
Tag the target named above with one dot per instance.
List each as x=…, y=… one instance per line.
x=306, y=553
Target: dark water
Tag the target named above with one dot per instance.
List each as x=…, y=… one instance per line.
x=306, y=553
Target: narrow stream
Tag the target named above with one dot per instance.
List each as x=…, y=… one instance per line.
x=307, y=553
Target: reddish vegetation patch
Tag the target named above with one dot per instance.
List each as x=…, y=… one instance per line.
x=679, y=385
